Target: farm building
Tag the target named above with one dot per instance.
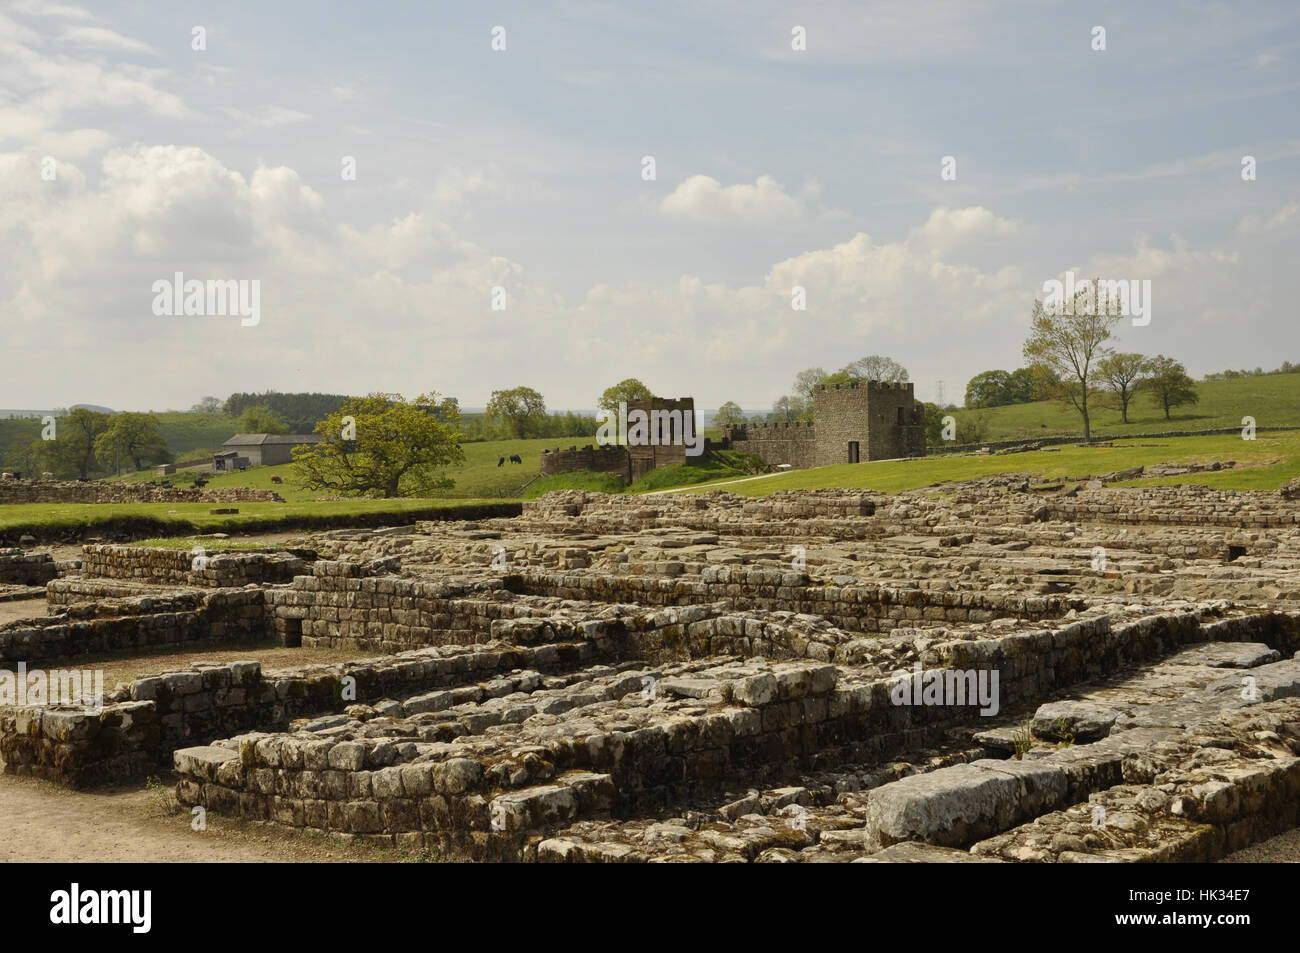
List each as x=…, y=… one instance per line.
x=266, y=449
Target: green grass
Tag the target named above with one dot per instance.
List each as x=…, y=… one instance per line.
x=1262, y=464
x=178, y=519
x=478, y=477
x=188, y=542
x=579, y=480
x=1273, y=400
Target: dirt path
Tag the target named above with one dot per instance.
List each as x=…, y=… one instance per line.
x=44, y=823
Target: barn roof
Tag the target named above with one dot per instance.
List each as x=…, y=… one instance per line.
x=270, y=439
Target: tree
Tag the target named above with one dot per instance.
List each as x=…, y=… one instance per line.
x=521, y=409
x=622, y=392
x=875, y=367
x=807, y=380
x=840, y=377
x=786, y=410
x=398, y=449
x=988, y=389
x=260, y=418
x=208, y=405
x=1066, y=343
x=1168, y=383
x=1022, y=388
x=729, y=414
x=134, y=437
x=934, y=415
x=1120, y=374
x=72, y=452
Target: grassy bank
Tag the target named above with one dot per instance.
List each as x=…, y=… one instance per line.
x=1261, y=464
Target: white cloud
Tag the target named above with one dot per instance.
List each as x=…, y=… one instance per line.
x=265, y=116
x=705, y=199
x=947, y=227
x=102, y=38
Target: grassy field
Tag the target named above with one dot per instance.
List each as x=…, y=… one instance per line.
x=478, y=477
x=1273, y=400
x=1262, y=464
x=177, y=519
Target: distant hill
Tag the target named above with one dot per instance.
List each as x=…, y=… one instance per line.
x=1273, y=400
x=23, y=413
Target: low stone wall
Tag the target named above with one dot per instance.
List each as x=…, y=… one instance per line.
x=19, y=568
x=73, y=590
x=858, y=608
x=143, y=722
x=179, y=567
x=102, y=491
x=135, y=623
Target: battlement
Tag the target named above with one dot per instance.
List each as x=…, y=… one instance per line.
x=883, y=386
x=768, y=427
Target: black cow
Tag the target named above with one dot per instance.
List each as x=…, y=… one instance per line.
x=515, y=458
x=501, y=461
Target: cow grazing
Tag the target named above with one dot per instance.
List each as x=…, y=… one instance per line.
x=276, y=479
x=515, y=458
x=501, y=461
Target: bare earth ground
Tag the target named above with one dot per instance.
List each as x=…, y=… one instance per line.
x=45, y=824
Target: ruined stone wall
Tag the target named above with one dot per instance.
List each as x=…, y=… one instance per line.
x=775, y=444
x=180, y=567
x=74, y=590
x=100, y=491
x=19, y=568
x=144, y=721
x=857, y=608
x=481, y=796
x=598, y=459
x=134, y=623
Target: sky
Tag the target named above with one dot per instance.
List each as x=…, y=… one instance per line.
x=500, y=151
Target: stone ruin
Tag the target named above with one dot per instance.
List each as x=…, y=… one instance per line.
x=983, y=672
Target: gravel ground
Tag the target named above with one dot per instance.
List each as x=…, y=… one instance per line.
x=1282, y=849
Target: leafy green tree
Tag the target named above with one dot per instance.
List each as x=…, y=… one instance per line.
x=260, y=418
x=988, y=389
x=1067, y=346
x=134, y=437
x=729, y=414
x=622, y=392
x=397, y=450
x=72, y=452
x=934, y=415
x=1167, y=381
x=208, y=405
x=841, y=377
x=1121, y=374
x=521, y=410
